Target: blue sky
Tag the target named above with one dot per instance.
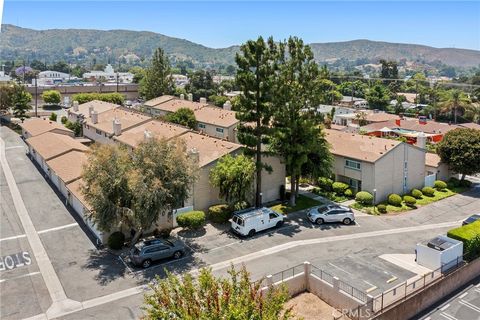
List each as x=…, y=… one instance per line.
x=224, y=23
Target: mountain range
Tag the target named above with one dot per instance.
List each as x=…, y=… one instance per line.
x=83, y=45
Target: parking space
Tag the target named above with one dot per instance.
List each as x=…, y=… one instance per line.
x=463, y=306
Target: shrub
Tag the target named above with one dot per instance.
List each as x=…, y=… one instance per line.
x=325, y=184
x=53, y=117
x=382, y=208
x=191, y=219
x=395, y=200
x=428, y=191
x=63, y=119
x=339, y=187
x=409, y=201
x=116, y=240
x=162, y=233
x=417, y=194
x=465, y=183
x=440, y=185
x=349, y=193
x=470, y=236
x=453, y=182
x=364, y=197
x=219, y=213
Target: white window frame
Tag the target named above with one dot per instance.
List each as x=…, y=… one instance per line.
x=201, y=125
x=349, y=162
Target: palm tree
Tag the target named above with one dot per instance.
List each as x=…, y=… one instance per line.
x=473, y=112
x=453, y=100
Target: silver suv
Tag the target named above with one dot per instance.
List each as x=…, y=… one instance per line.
x=330, y=213
x=145, y=252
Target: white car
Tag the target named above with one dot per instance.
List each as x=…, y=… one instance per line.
x=331, y=213
x=250, y=221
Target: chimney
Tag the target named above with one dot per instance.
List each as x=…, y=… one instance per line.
x=75, y=105
x=421, y=140
x=117, y=127
x=190, y=97
x=194, y=155
x=227, y=105
x=90, y=110
x=203, y=100
x=147, y=135
x=182, y=96
x=397, y=122
x=94, y=116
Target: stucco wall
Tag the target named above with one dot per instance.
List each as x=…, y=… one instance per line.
x=271, y=182
x=442, y=172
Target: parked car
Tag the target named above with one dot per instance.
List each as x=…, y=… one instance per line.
x=148, y=251
x=471, y=219
x=331, y=213
x=250, y=221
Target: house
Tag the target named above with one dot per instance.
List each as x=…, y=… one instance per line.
x=349, y=101
x=379, y=166
x=470, y=125
x=80, y=112
x=435, y=166
x=102, y=127
x=66, y=168
x=37, y=126
x=214, y=121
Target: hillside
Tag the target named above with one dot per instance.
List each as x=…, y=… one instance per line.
x=85, y=45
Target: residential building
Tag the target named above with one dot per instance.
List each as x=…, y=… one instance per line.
x=81, y=112
x=435, y=166
x=379, y=166
x=180, y=80
x=349, y=101
x=37, y=126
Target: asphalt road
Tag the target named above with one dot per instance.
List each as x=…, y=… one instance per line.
x=111, y=289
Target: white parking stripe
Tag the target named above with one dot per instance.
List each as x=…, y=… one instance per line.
x=463, y=295
x=15, y=147
x=449, y=317
x=469, y=305
x=58, y=228
x=22, y=276
x=13, y=237
x=337, y=267
x=445, y=307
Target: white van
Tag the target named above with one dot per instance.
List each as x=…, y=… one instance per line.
x=250, y=221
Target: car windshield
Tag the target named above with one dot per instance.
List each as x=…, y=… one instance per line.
x=322, y=209
x=168, y=242
x=135, y=250
x=238, y=220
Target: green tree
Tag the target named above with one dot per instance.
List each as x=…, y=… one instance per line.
x=460, y=150
x=184, y=117
x=328, y=91
x=76, y=127
x=158, y=79
x=53, y=117
x=138, y=74
x=60, y=66
x=201, y=84
x=208, y=297
x=234, y=176
x=378, y=97
x=114, y=97
x=51, y=97
x=389, y=70
x=473, y=112
x=454, y=101
x=21, y=102
x=135, y=188
x=255, y=71
x=38, y=65
x=7, y=94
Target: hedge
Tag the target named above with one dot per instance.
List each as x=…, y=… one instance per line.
x=382, y=208
x=364, y=197
x=325, y=184
x=219, y=213
x=395, y=200
x=428, y=191
x=116, y=240
x=470, y=236
x=453, y=182
x=191, y=219
x=409, y=201
x=339, y=187
x=417, y=194
x=440, y=185
x=349, y=193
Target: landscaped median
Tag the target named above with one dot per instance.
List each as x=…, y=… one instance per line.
x=410, y=201
x=470, y=236
x=302, y=203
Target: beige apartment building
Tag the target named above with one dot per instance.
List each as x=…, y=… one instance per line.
x=37, y=126
x=83, y=111
x=379, y=166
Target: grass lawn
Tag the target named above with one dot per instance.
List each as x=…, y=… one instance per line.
x=303, y=202
x=438, y=195
x=331, y=195
x=373, y=209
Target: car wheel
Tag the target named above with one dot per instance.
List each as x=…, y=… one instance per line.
x=147, y=263
x=347, y=221
x=177, y=255
x=251, y=232
x=319, y=221
x=279, y=224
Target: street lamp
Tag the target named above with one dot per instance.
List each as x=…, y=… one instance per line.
x=374, y=196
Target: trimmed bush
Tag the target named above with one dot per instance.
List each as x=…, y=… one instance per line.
x=339, y=187
x=219, y=213
x=409, y=201
x=440, y=185
x=191, y=219
x=465, y=183
x=63, y=119
x=364, y=197
x=453, y=182
x=349, y=193
x=470, y=236
x=395, y=200
x=417, y=194
x=53, y=117
x=116, y=240
x=428, y=191
x=325, y=184
x=382, y=208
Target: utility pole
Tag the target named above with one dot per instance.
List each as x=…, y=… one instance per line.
x=36, y=96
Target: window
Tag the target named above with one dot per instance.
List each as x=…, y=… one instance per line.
x=352, y=164
x=273, y=215
x=220, y=130
x=98, y=131
x=201, y=125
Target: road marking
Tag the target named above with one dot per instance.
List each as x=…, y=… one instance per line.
x=14, y=147
x=370, y=284
x=445, y=307
x=371, y=289
x=446, y=315
x=125, y=264
x=58, y=228
x=21, y=276
x=469, y=305
x=391, y=279
x=13, y=237
x=463, y=295
x=158, y=265
x=339, y=268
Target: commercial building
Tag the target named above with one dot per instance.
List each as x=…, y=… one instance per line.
x=379, y=166
x=50, y=78
x=109, y=75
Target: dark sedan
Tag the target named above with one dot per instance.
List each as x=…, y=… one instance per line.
x=471, y=219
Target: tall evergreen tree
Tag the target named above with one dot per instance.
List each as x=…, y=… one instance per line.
x=158, y=77
x=21, y=102
x=256, y=66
